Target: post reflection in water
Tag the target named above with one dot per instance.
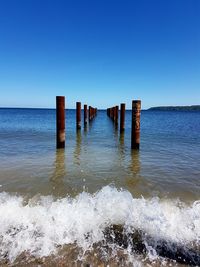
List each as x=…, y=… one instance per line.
x=115, y=131
x=85, y=129
x=59, y=172
x=135, y=162
x=134, y=178
x=121, y=146
x=90, y=125
x=77, y=151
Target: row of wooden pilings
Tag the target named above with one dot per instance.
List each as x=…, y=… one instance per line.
x=135, y=120
x=89, y=114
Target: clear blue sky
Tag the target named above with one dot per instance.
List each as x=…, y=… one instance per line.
x=100, y=52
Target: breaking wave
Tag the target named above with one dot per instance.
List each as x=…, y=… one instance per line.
x=42, y=224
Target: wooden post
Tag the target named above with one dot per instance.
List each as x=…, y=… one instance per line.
x=92, y=112
x=85, y=114
x=122, y=117
x=89, y=115
x=78, y=115
x=135, y=131
x=116, y=114
x=60, y=121
x=112, y=113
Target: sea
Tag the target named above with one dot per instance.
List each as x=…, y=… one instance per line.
x=97, y=202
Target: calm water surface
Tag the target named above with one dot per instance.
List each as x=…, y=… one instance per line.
x=167, y=165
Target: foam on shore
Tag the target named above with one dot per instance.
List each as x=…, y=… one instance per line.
x=43, y=224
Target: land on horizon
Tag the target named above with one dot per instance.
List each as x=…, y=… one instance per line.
x=176, y=108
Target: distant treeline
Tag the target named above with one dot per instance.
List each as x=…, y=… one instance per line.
x=177, y=108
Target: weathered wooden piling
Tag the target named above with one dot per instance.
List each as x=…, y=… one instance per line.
x=78, y=115
x=92, y=113
x=109, y=112
x=89, y=113
x=113, y=114
x=122, y=117
x=60, y=121
x=116, y=114
x=85, y=114
x=135, y=131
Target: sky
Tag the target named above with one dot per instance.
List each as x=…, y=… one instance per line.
x=99, y=52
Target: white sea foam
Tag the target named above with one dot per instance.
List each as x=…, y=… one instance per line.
x=40, y=226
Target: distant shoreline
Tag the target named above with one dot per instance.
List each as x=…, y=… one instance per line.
x=176, y=108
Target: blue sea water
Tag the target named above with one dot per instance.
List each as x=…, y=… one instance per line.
x=168, y=162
